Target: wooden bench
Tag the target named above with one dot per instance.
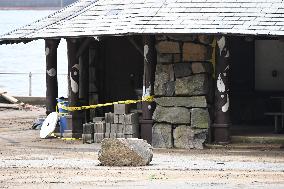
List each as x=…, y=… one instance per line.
x=276, y=115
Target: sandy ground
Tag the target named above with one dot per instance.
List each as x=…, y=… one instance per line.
x=30, y=162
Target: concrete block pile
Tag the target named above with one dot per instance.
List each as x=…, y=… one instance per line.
x=183, y=91
x=120, y=124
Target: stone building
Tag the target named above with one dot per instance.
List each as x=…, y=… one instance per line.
x=212, y=66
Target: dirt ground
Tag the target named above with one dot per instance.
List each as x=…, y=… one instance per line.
x=30, y=162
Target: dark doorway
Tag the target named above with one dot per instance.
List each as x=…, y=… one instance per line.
x=123, y=69
x=249, y=105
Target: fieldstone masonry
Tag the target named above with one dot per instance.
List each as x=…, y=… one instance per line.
x=183, y=91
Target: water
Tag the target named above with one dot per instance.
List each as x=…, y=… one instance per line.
x=30, y=57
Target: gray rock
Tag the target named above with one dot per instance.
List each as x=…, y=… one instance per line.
x=88, y=128
x=192, y=85
x=96, y=119
x=125, y=152
x=121, y=108
x=169, y=88
x=121, y=118
x=187, y=138
x=164, y=58
x=131, y=118
x=182, y=70
x=131, y=129
x=100, y=127
x=183, y=136
x=200, y=118
x=112, y=135
x=109, y=117
x=189, y=102
x=200, y=137
x=163, y=75
x=182, y=37
x=196, y=52
x=120, y=135
x=115, y=119
x=161, y=37
x=162, y=135
x=88, y=138
x=201, y=67
x=108, y=128
x=177, y=58
x=98, y=137
x=174, y=115
x=119, y=128
x=205, y=39
x=168, y=47
x=107, y=135
x=130, y=135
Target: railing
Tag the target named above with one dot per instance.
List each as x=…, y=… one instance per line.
x=29, y=74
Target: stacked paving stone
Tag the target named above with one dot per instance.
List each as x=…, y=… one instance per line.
x=88, y=133
x=120, y=124
x=183, y=91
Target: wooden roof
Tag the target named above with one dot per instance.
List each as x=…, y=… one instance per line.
x=126, y=17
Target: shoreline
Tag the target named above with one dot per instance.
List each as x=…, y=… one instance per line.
x=30, y=8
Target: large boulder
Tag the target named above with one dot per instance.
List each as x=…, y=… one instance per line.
x=200, y=118
x=174, y=115
x=162, y=135
x=189, y=102
x=187, y=138
x=192, y=85
x=180, y=37
x=125, y=152
x=196, y=52
x=168, y=47
x=205, y=39
x=201, y=67
x=182, y=70
x=164, y=80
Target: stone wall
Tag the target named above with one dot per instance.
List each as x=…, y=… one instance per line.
x=183, y=91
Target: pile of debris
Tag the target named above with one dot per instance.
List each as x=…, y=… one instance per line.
x=9, y=102
x=120, y=124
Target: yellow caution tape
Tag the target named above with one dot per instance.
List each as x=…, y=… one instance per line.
x=67, y=139
x=71, y=109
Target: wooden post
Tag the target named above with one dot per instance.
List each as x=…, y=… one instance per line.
x=51, y=74
x=73, y=87
x=84, y=81
x=93, y=76
x=150, y=62
x=222, y=104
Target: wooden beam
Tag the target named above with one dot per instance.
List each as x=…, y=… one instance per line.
x=11, y=106
x=137, y=47
x=150, y=61
x=84, y=46
x=73, y=86
x=51, y=74
x=84, y=81
x=93, y=76
x=222, y=103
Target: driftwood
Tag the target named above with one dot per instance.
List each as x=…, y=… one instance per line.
x=10, y=106
x=8, y=97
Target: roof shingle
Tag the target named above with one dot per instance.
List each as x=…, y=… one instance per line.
x=125, y=17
